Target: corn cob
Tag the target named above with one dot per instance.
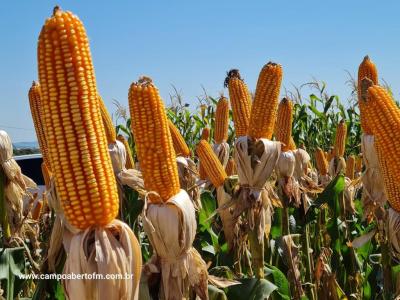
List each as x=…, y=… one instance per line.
x=367, y=69
x=350, y=166
x=292, y=144
x=153, y=140
x=205, y=134
x=322, y=163
x=385, y=127
x=46, y=174
x=212, y=166
x=283, y=125
x=264, y=108
x=130, y=163
x=240, y=101
x=37, y=116
x=230, y=168
x=107, y=122
x=340, y=139
x=74, y=132
x=37, y=210
x=330, y=154
x=181, y=149
x=221, y=121
x=358, y=165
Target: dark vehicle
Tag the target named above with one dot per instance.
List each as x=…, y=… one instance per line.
x=31, y=166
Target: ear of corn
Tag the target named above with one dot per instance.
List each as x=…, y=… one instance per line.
x=35, y=103
x=367, y=69
x=180, y=146
x=153, y=140
x=205, y=134
x=221, y=121
x=350, y=166
x=130, y=162
x=264, y=108
x=230, y=168
x=212, y=166
x=283, y=125
x=107, y=122
x=385, y=127
x=321, y=161
x=292, y=144
x=74, y=132
x=240, y=101
x=358, y=164
x=340, y=139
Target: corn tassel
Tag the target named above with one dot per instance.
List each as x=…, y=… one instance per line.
x=75, y=137
x=240, y=101
x=221, y=121
x=154, y=145
x=283, y=125
x=264, y=108
x=180, y=146
x=212, y=166
x=367, y=69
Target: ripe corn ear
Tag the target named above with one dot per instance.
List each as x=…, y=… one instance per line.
x=74, y=132
x=205, y=134
x=340, y=139
x=221, y=121
x=212, y=166
x=230, y=168
x=350, y=167
x=367, y=69
x=240, y=101
x=283, y=125
x=264, y=108
x=359, y=164
x=130, y=162
x=321, y=161
x=154, y=145
x=180, y=146
x=35, y=103
x=107, y=122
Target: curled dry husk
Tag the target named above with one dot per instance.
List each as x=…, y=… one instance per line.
x=112, y=249
x=349, y=192
x=222, y=152
x=17, y=189
x=227, y=218
x=292, y=259
x=171, y=228
x=373, y=193
x=256, y=160
x=394, y=231
x=187, y=171
x=336, y=165
x=287, y=183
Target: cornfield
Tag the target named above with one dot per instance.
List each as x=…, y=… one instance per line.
x=266, y=196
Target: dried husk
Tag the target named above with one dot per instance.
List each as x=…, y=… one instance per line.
x=336, y=165
x=394, y=231
x=349, y=193
x=286, y=181
x=256, y=160
x=222, y=152
x=227, y=218
x=292, y=260
x=171, y=228
x=373, y=193
x=112, y=249
x=187, y=171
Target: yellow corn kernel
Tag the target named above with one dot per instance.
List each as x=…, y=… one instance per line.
x=107, y=122
x=350, y=166
x=240, y=101
x=230, y=168
x=153, y=140
x=37, y=116
x=130, y=163
x=367, y=69
x=359, y=164
x=264, y=108
x=212, y=166
x=340, y=139
x=74, y=132
x=283, y=125
x=180, y=146
x=322, y=163
x=205, y=134
x=221, y=121
x=292, y=144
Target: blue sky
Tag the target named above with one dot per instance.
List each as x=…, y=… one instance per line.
x=190, y=44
